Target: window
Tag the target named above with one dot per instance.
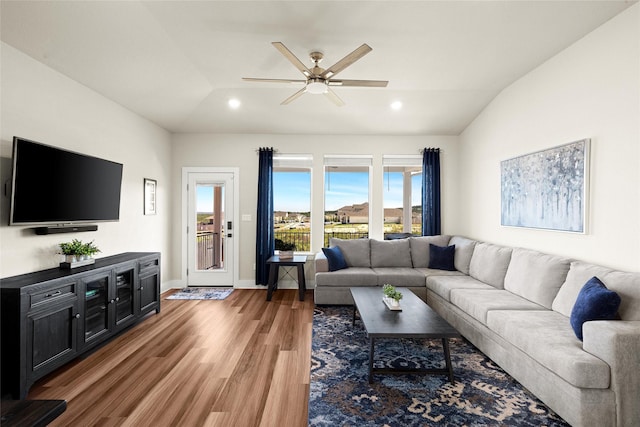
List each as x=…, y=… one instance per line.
x=346, y=197
x=402, y=194
x=292, y=201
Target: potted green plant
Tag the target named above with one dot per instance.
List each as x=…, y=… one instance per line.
x=78, y=253
x=392, y=296
x=285, y=249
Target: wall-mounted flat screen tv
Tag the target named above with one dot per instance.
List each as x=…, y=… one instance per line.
x=55, y=186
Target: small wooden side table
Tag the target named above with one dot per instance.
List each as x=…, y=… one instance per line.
x=275, y=262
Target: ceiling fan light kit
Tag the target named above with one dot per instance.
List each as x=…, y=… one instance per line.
x=316, y=86
x=317, y=79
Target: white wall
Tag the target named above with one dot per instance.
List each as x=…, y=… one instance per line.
x=240, y=151
x=39, y=103
x=590, y=90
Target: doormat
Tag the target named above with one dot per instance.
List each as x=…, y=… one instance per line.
x=201, y=293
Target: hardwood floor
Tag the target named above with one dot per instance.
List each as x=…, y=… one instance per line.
x=239, y=362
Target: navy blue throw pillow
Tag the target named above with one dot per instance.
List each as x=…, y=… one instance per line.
x=594, y=302
x=441, y=257
x=335, y=258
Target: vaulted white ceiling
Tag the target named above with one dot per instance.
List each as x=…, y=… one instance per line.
x=178, y=63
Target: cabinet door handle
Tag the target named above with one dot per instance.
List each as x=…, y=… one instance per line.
x=141, y=287
x=77, y=316
x=117, y=299
x=53, y=294
x=112, y=301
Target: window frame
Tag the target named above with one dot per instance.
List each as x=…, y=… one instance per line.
x=346, y=161
x=289, y=162
x=400, y=161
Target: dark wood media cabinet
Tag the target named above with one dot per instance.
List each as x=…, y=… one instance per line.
x=52, y=316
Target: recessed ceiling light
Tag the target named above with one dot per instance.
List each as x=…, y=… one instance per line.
x=396, y=105
x=234, y=103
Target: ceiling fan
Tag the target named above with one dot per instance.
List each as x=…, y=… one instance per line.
x=319, y=80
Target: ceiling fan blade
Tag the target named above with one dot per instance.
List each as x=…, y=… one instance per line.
x=334, y=98
x=295, y=96
x=252, y=79
x=292, y=58
x=362, y=83
x=346, y=61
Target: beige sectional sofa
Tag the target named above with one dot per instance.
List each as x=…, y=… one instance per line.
x=514, y=304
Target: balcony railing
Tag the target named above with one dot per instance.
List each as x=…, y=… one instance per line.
x=302, y=240
x=207, y=244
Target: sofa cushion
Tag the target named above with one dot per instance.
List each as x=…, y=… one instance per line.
x=353, y=276
x=355, y=251
x=464, y=251
x=478, y=302
x=547, y=337
x=390, y=253
x=627, y=285
x=594, y=302
x=441, y=257
x=335, y=259
x=400, y=277
x=489, y=263
x=536, y=276
x=443, y=285
x=420, y=248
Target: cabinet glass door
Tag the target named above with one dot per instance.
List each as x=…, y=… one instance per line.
x=124, y=296
x=96, y=303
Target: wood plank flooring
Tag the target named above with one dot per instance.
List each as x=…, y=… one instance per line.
x=240, y=362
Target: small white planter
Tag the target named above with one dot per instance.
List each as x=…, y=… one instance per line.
x=73, y=261
x=392, y=304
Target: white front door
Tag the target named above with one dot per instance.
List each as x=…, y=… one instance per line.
x=210, y=229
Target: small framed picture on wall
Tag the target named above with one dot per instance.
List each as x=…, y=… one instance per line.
x=150, y=187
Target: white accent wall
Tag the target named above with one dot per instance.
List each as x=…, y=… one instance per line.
x=41, y=104
x=590, y=90
x=240, y=151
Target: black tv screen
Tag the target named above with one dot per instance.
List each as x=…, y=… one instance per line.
x=55, y=186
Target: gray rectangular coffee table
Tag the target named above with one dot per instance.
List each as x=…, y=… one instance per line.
x=416, y=320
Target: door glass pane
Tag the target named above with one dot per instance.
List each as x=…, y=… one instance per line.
x=96, y=303
x=210, y=224
x=124, y=295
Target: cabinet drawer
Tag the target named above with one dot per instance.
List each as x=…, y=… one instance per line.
x=53, y=294
x=149, y=264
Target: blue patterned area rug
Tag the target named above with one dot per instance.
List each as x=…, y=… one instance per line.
x=340, y=394
x=201, y=293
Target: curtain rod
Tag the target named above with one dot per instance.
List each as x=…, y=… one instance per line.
x=262, y=148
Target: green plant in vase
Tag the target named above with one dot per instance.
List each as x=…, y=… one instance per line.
x=76, y=250
x=392, y=293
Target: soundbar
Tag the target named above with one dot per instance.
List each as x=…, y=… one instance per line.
x=64, y=229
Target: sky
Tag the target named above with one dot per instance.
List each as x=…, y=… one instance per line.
x=204, y=198
x=292, y=191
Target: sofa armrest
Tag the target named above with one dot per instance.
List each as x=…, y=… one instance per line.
x=321, y=263
x=617, y=342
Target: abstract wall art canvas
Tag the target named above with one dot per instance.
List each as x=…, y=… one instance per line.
x=547, y=189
